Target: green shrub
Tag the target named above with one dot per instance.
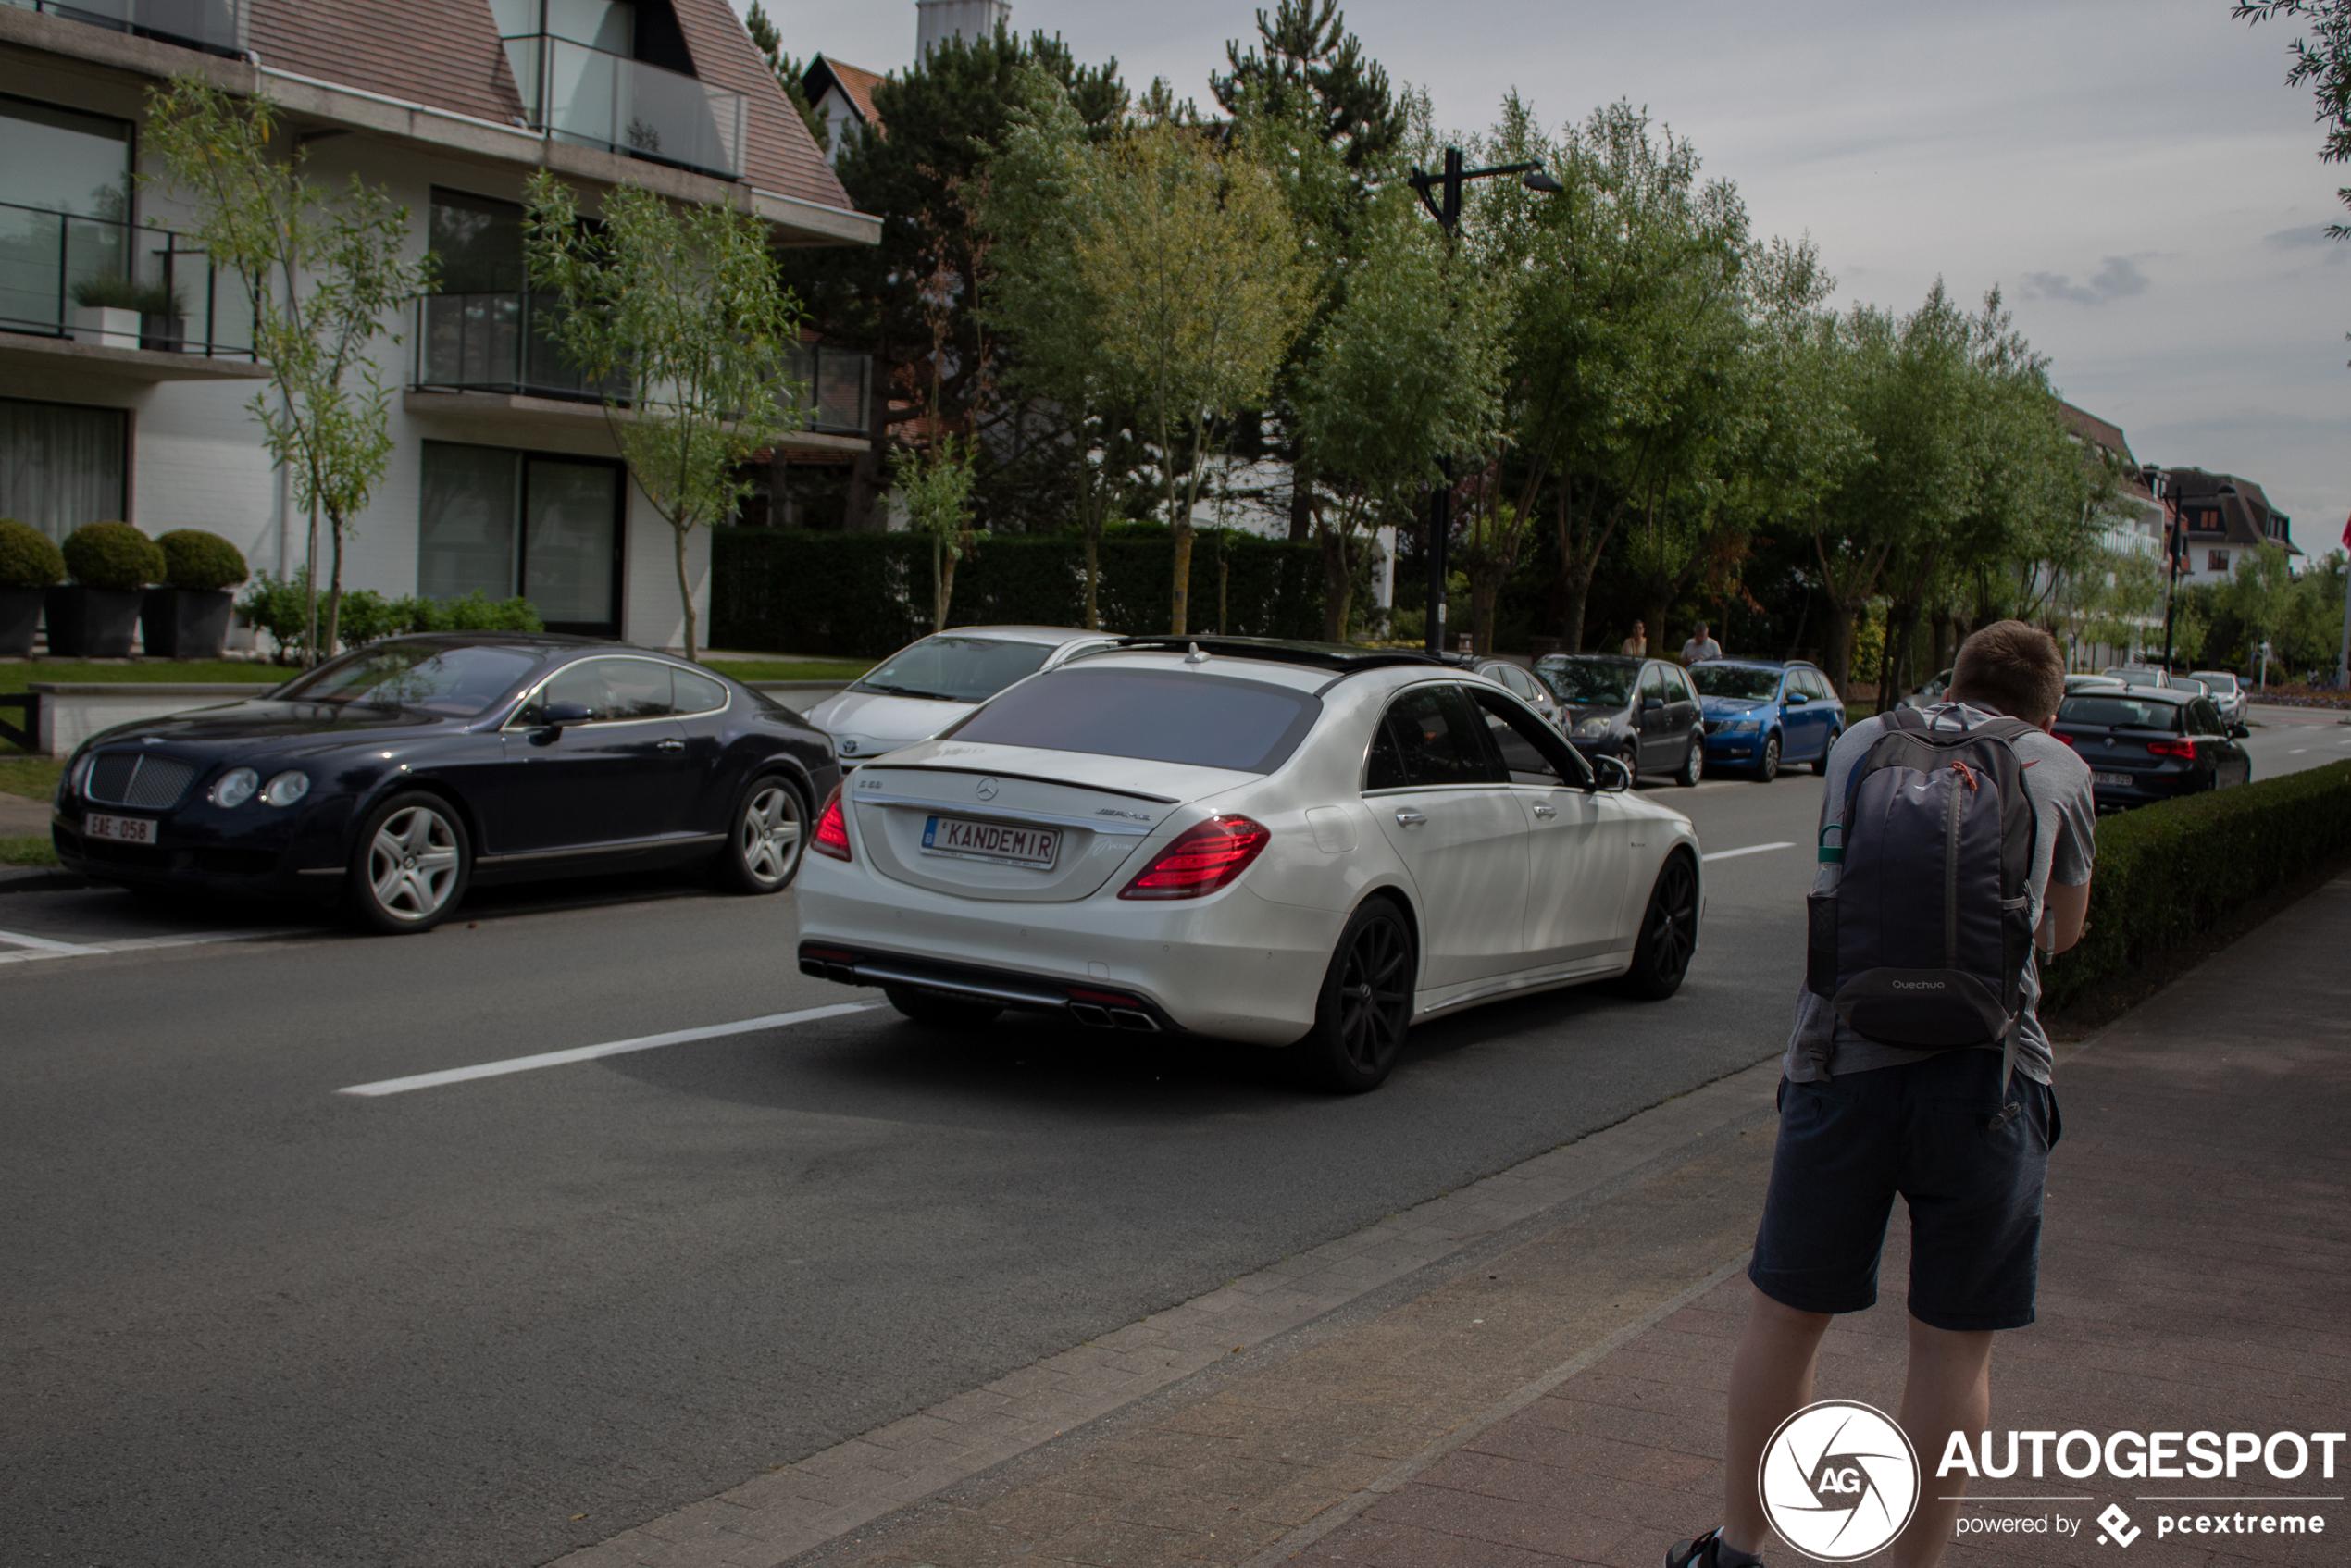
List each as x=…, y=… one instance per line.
x=200, y=562
x=279, y=605
x=112, y=556
x=121, y=294
x=29, y=558
x=2169, y=871
x=474, y=612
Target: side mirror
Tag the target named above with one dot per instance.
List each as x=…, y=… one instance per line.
x=1613, y=776
x=1797, y=699
x=1650, y=704
x=555, y=716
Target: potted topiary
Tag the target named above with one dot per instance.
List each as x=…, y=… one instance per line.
x=98, y=615
x=188, y=618
x=28, y=563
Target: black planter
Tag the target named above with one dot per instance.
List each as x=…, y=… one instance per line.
x=20, y=618
x=92, y=623
x=178, y=623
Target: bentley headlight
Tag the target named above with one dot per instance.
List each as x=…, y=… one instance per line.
x=287, y=787
x=1592, y=728
x=235, y=788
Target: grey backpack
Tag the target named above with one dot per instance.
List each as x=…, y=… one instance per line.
x=1924, y=941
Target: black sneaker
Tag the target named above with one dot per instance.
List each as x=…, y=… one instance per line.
x=1704, y=1552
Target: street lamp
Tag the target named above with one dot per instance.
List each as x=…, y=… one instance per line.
x=1441, y=193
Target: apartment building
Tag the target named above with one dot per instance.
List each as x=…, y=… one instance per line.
x=126, y=360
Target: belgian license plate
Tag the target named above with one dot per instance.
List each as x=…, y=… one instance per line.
x=991, y=841
x=119, y=830
x=2121, y=778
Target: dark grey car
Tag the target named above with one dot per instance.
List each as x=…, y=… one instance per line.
x=1643, y=712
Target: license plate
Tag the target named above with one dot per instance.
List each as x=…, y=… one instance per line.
x=2123, y=778
x=991, y=841
x=119, y=830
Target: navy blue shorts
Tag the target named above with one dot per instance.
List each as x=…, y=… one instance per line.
x=1849, y=1145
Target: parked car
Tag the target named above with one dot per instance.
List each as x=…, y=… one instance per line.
x=1933, y=691
x=2228, y=695
x=396, y=776
x=1760, y=713
x=2093, y=683
x=2151, y=744
x=1520, y=682
x=1293, y=844
x=1642, y=711
x=927, y=686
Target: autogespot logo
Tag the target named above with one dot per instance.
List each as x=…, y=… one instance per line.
x=1839, y=1480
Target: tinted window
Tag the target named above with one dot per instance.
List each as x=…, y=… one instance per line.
x=1159, y=715
x=1679, y=683
x=697, y=693
x=1433, y=736
x=1531, y=750
x=611, y=690
x=955, y=669
x=430, y=678
x=2129, y=713
x=1653, y=684
x=2203, y=717
x=2218, y=680
x=1589, y=682
x=1735, y=680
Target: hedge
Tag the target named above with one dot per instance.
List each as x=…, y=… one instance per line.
x=862, y=595
x=2169, y=871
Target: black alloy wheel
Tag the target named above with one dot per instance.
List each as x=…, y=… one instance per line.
x=1669, y=933
x=769, y=832
x=939, y=1012
x=410, y=865
x=1821, y=762
x=1767, y=767
x=1693, y=764
x=1367, y=1003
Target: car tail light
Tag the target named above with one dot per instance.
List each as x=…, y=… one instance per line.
x=2182, y=748
x=832, y=830
x=2068, y=739
x=1201, y=860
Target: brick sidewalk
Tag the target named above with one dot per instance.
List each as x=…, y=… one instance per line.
x=2196, y=1275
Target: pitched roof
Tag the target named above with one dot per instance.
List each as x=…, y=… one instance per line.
x=2095, y=432
x=2245, y=515
x=446, y=54
x=856, y=84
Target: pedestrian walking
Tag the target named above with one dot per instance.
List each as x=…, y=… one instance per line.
x=1963, y=1132
x=1637, y=645
x=1700, y=646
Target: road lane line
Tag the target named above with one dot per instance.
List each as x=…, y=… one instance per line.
x=43, y=948
x=1751, y=848
x=590, y=1052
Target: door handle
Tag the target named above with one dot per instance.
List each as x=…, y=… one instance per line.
x=1411, y=818
x=1546, y=811
x=669, y=746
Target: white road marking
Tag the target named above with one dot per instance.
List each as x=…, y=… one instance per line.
x=38, y=948
x=2298, y=751
x=614, y=1048
x=1751, y=848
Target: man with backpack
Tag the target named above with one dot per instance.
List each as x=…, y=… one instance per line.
x=1955, y=840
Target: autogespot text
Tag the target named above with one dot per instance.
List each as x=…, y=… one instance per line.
x=2151, y=1456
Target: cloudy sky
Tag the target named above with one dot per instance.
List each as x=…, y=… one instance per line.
x=2132, y=173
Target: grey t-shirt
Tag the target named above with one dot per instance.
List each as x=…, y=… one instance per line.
x=2064, y=844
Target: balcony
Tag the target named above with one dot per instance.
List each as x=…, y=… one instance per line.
x=497, y=342
x=579, y=94
x=834, y=387
x=112, y=285
x=216, y=27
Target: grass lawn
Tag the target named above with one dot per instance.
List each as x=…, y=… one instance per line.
x=17, y=677
x=34, y=778
x=28, y=852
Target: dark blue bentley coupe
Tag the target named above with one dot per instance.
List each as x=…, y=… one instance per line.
x=396, y=776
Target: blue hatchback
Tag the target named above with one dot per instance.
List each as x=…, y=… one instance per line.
x=1761, y=712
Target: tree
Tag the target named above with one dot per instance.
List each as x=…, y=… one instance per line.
x=326, y=271
x=1313, y=66
x=678, y=314
x=936, y=486
x=1190, y=257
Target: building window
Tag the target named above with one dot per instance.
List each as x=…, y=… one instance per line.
x=62, y=466
x=2216, y=560
x=502, y=523
x=64, y=212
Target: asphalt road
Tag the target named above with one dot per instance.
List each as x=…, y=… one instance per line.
x=255, y=1319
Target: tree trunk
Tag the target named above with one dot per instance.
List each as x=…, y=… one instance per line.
x=333, y=628
x=1901, y=633
x=1179, y=600
x=1301, y=501
x=685, y=589
x=1837, y=640
x=310, y=593
x=1093, y=574
x=938, y=584
x=1486, y=591
x=1339, y=585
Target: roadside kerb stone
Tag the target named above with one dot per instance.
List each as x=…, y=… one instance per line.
x=977, y=1430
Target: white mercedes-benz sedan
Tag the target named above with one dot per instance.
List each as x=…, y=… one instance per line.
x=926, y=686
x=1294, y=844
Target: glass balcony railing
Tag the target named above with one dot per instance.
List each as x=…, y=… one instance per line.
x=217, y=27
x=576, y=94
x=833, y=386
x=496, y=343
x=118, y=286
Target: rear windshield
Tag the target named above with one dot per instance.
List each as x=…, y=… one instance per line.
x=1735, y=680
x=1587, y=681
x=955, y=669
x=1157, y=715
x=2215, y=680
x=2126, y=713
